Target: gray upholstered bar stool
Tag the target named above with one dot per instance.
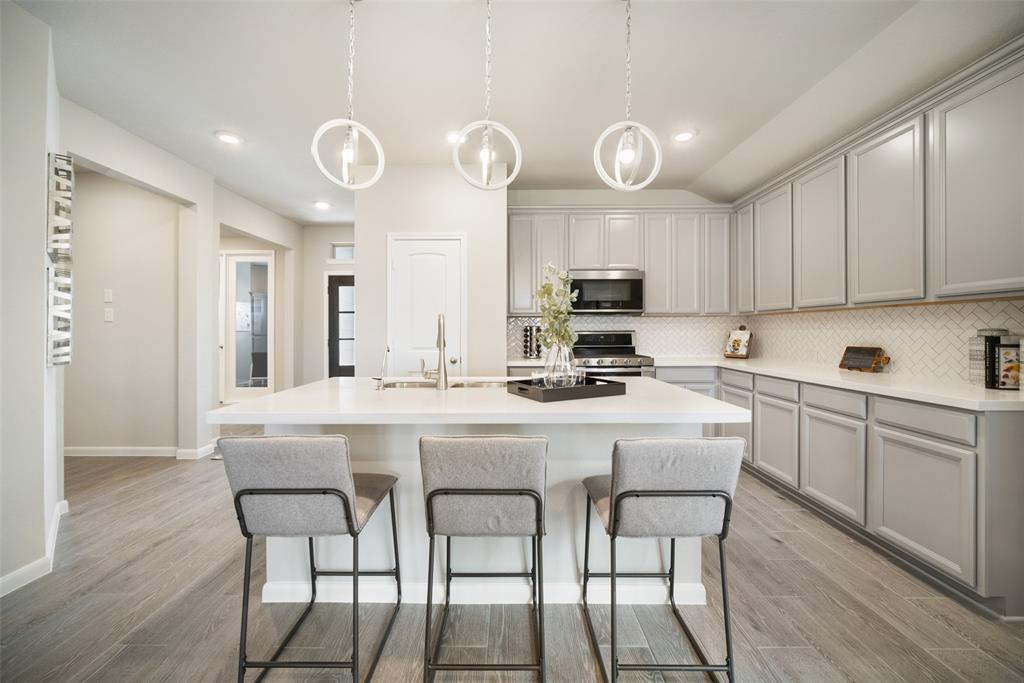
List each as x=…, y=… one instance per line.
x=484, y=486
x=304, y=486
x=664, y=488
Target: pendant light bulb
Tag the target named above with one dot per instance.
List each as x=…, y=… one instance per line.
x=627, y=147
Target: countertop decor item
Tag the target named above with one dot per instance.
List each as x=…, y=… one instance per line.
x=1008, y=359
x=864, y=359
x=591, y=387
x=489, y=128
x=738, y=343
x=353, y=129
x=556, y=333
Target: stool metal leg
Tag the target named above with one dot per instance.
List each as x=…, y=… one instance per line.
x=430, y=597
x=614, y=652
x=355, y=609
x=725, y=611
x=245, y=608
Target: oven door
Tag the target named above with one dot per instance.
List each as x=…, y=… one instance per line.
x=608, y=291
x=615, y=373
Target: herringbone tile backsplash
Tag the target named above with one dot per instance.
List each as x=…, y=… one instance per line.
x=926, y=340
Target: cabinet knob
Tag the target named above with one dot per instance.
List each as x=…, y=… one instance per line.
x=453, y=360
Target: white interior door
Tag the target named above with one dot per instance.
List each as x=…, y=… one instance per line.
x=427, y=277
x=247, y=325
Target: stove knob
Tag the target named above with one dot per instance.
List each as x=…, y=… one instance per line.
x=613, y=361
x=600, y=361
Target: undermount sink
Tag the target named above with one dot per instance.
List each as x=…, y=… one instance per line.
x=456, y=384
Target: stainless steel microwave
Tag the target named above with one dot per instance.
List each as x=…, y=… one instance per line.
x=608, y=291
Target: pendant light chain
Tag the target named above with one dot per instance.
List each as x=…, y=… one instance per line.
x=487, y=66
x=629, y=61
x=351, y=54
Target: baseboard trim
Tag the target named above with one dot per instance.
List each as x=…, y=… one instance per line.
x=195, y=453
x=38, y=568
x=382, y=589
x=121, y=451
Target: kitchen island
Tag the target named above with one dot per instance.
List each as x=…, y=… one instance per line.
x=383, y=428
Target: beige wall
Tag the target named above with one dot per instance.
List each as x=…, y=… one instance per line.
x=432, y=199
x=316, y=250
x=30, y=432
x=121, y=389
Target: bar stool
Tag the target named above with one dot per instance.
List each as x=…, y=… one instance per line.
x=484, y=486
x=664, y=488
x=304, y=486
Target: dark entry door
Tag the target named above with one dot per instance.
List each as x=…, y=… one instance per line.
x=341, y=315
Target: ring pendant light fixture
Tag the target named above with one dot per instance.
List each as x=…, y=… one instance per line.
x=633, y=137
x=352, y=128
x=490, y=128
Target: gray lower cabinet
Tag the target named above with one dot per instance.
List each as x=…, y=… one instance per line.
x=833, y=461
x=777, y=439
x=743, y=399
x=923, y=498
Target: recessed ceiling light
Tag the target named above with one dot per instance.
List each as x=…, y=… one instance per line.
x=229, y=137
x=323, y=206
x=685, y=136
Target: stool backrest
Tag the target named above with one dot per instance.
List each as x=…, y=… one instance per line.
x=508, y=463
x=291, y=462
x=673, y=464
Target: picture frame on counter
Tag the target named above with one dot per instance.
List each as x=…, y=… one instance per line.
x=738, y=343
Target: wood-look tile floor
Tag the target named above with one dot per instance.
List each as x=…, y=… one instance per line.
x=147, y=586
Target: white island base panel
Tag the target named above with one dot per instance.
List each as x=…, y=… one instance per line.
x=575, y=451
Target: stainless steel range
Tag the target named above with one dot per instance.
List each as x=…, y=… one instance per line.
x=611, y=354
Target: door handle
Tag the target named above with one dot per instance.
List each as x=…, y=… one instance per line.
x=453, y=360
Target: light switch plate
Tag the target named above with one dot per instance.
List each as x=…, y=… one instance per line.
x=108, y=296
x=108, y=315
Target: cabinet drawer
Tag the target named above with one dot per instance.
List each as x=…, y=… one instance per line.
x=697, y=375
x=781, y=388
x=944, y=423
x=836, y=400
x=922, y=496
x=743, y=380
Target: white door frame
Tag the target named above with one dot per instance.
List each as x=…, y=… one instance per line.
x=270, y=256
x=327, y=312
x=393, y=239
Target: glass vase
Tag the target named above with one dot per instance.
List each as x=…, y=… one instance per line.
x=559, y=369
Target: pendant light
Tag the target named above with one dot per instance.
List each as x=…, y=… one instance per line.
x=489, y=129
x=633, y=137
x=353, y=130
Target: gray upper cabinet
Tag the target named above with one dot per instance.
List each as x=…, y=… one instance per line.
x=885, y=214
x=744, y=259
x=534, y=240
x=521, y=268
x=976, y=172
x=586, y=241
x=717, y=274
x=658, y=263
x=624, y=242
x=773, y=250
x=819, y=236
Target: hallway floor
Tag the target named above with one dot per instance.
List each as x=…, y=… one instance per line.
x=147, y=585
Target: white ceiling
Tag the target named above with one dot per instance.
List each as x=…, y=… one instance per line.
x=763, y=82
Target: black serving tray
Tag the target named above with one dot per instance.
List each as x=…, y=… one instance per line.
x=593, y=387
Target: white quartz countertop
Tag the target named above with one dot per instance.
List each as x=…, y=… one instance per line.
x=926, y=390
x=355, y=400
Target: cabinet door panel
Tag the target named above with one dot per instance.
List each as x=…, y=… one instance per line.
x=521, y=268
x=716, y=263
x=777, y=439
x=658, y=270
x=550, y=238
x=885, y=214
x=686, y=266
x=833, y=461
x=623, y=242
x=773, y=251
x=977, y=174
x=743, y=399
x=923, y=498
x=745, y=259
x=819, y=236
x=586, y=241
